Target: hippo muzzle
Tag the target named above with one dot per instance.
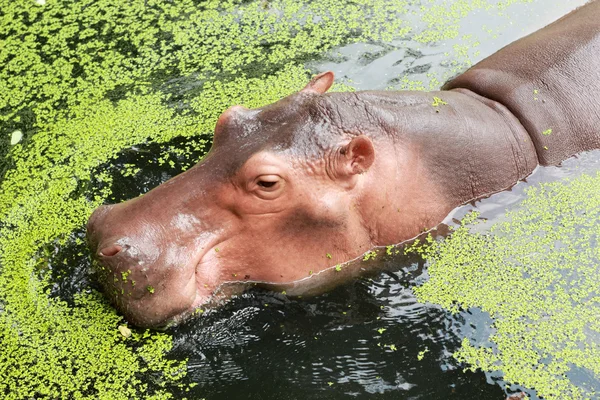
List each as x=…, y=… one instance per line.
x=150, y=279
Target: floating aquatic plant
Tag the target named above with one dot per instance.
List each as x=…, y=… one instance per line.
x=83, y=80
x=536, y=274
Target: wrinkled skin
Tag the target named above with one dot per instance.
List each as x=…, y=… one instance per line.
x=319, y=178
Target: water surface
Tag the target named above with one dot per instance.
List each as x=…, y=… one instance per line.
x=368, y=338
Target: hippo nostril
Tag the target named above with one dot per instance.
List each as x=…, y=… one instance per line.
x=110, y=251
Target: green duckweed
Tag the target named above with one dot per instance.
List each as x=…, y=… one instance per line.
x=83, y=80
x=536, y=274
x=369, y=255
x=438, y=102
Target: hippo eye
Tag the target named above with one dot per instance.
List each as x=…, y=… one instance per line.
x=266, y=184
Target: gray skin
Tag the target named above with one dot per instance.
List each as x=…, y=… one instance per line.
x=317, y=179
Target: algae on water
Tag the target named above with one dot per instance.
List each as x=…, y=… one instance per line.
x=537, y=275
x=82, y=80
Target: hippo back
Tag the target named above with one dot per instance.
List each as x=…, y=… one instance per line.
x=550, y=80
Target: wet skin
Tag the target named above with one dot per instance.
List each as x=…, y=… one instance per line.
x=317, y=179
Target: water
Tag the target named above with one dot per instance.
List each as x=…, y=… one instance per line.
x=368, y=338
x=379, y=66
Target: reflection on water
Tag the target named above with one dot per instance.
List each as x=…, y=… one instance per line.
x=401, y=63
x=362, y=338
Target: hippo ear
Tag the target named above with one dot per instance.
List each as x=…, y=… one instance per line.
x=356, y=157
x=320, y=83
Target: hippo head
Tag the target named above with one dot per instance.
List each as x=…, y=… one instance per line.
x=300, y=185
x=266, y=200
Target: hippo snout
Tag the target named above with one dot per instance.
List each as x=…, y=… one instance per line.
x=109, y=248
x=96, y=227
x=119, y=256
x=106, y=248
x=149, y=280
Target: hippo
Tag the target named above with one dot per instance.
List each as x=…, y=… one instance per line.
x=316, y=179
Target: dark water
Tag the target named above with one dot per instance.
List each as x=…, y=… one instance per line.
x=362, y=339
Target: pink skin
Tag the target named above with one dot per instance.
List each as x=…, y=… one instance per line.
x=280, y=215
